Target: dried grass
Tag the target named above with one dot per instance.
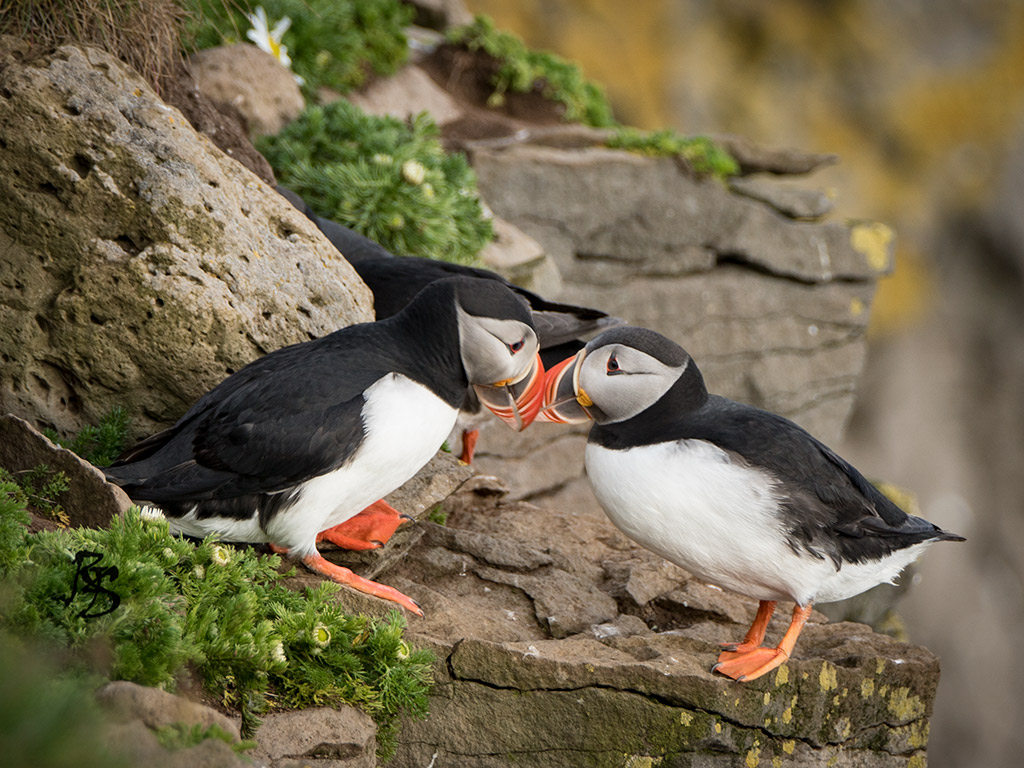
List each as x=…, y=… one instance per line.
x=145, y=34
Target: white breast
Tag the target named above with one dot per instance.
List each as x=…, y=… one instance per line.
x=689, y=503
x=406, y=424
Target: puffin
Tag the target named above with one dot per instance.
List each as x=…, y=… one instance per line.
x=303, y=439
x=740, y=497
x=395, y=280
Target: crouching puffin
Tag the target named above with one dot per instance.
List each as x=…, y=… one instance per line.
x=395, y=280
x=742, y=498
x=301, y=440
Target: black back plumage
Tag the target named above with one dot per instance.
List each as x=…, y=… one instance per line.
x=828, y=508
x=296, y=413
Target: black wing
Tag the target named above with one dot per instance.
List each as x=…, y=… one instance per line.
x=283, y=419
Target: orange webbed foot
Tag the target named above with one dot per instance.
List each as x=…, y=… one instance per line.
x=370, y=529
x=750, y=664
x=747, y=660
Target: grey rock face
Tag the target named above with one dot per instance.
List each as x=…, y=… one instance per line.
x=141, y=264
x=773, y=310
x=326, y=738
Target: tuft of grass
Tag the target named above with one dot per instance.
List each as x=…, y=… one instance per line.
x=437, y=515
x=100, y=444
x=38, y=489
x=704, y=155
x=384, y=178
x=209, y=608
x=523, y=70
x=337, y=44
x=142, y=33
x=183, y=736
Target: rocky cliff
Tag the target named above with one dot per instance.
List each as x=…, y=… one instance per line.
x=144, y=265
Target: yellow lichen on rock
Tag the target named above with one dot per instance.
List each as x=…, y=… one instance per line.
x=827, y=677
x=874, y=241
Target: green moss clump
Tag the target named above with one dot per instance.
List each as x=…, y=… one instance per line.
x=704, y=155
x=332, y=43
x=522, y=70
x=386, y=179
x=173, y=607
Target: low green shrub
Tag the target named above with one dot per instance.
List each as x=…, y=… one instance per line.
x=386, y=179
x=523, y=70
x=163, y=607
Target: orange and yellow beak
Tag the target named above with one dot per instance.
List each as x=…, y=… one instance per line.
x=518, y=402
x=564, y=401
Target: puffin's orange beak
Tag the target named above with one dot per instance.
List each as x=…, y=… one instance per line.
x=517, y=403
x=563, y=399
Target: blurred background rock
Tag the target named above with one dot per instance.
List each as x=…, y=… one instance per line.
x=924, y=102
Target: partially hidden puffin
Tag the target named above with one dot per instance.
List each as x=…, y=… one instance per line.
x=301, y=440
x=740, y=497
x=395, y=280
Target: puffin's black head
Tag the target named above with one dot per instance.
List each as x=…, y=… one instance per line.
x=497, y=343
x=618, y=375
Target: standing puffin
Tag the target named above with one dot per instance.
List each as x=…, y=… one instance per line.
x=395, y=280
x=301, y=440
x=740, y=497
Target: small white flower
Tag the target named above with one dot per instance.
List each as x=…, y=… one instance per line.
x=199, y=572
x=413, y=172
x=382, y=159
x=403, y=650
x=321, y=636
x=428, y=191
x=279, y=653
x=268, y=39
x=147, y=512
x=220, y=555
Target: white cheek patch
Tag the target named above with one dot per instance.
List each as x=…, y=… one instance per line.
x=642, y=381
x=485, y=347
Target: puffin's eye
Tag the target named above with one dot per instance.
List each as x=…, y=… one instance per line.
x=613, y=365
x=517, y=346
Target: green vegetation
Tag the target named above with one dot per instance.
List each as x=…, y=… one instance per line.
x=173, y=607
x=100, y=444
x=704, y=155
x=522, y=70
x=183, y=736
x=389, y=180
x=39, y=489
x=47, y=720
x=332, y=43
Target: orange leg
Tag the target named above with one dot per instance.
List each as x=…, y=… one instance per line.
x=316, y=563
x=749, y=664
x=469, y=438
x=370, y=529
x=755, y=635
